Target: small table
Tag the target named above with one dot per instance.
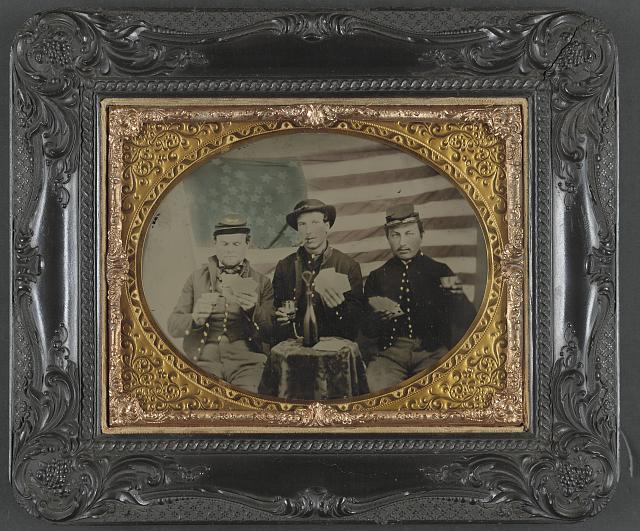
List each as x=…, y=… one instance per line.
x=296, y=372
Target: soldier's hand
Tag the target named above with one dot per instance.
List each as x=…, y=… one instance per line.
x=452, y=284
x=247, y=301
x=385, y=315
x=282, y=316
x=202, y=309
x=331, y=297
x=199, y=318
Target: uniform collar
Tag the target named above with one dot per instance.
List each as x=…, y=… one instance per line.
x=406, y=264
x=242, y=268
x=322, y=258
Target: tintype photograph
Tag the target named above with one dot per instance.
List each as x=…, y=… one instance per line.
x=386, y=248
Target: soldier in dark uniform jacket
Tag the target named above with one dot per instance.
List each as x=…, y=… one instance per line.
x=337, y=314
x=435, y=312
x=225, y=333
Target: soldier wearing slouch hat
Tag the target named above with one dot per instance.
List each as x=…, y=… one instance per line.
x=338, y=314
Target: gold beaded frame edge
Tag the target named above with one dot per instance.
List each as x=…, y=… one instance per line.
x=455, y=396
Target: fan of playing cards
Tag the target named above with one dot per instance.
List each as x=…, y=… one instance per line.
x=386, y=305
x=330, y=278
x=232, y=284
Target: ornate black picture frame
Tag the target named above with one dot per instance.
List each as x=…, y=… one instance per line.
x=64, y=468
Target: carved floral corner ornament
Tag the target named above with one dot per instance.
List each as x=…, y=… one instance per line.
x=566, y=468
x=479, y=146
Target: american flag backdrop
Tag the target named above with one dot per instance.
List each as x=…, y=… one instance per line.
x=266, y=178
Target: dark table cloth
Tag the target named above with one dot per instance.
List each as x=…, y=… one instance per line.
x=295, y=372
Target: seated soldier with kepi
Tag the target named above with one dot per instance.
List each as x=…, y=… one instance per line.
x=225, y=310
x=421, y=310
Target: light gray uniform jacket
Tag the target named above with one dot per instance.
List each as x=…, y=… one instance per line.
x=256, y=325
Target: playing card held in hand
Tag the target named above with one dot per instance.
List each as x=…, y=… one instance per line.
x=329, y=278
x=386, y=305
x=238, y=284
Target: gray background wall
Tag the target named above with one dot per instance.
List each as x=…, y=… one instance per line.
x=622, y=17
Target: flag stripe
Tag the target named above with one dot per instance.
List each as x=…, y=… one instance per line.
x=433, y=238
x=396, y=177
x=392, y=190
x=456, y=207
x=445, y=222
x=381, y=205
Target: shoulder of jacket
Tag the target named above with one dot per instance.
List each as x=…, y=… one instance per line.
x=200, y=271
x=257, y=275
x=389, y=265
x=381, y=270
x=374, y=274
x=436, y=267
x=289, y=259
x=343, y=257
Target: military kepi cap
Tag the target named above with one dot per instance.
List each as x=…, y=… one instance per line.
x=399, y=214
x=311, y=205
x=231, y=224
